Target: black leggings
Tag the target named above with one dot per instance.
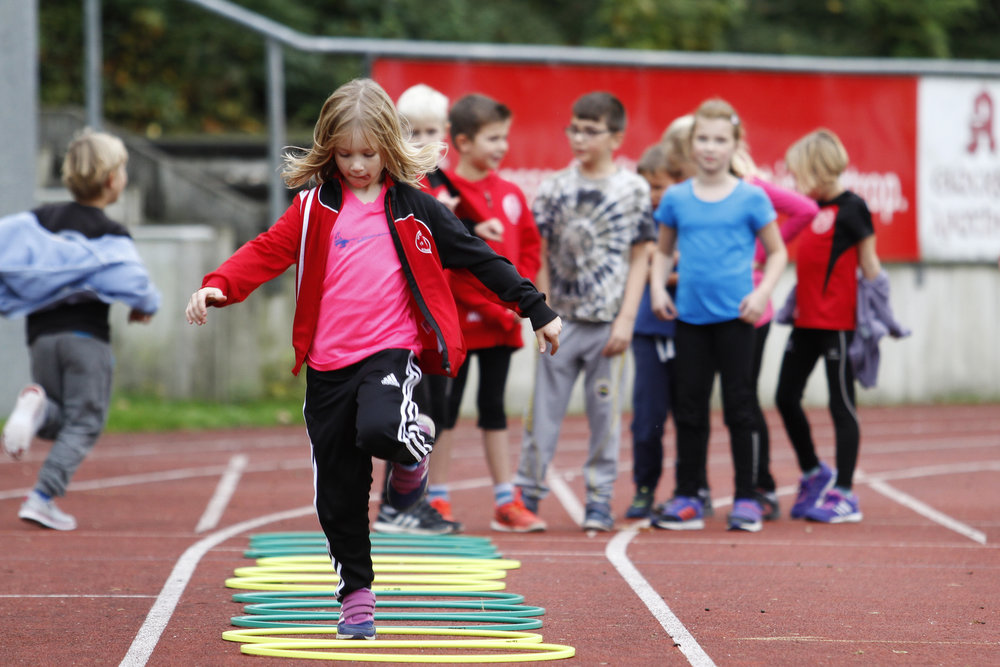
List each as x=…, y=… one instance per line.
x=703, y=350
x=804, y=347
x=494, y=365
x=764, y=479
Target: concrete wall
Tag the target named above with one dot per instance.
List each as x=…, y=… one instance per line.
x=245, y=350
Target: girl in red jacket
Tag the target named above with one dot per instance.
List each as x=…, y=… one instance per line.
x=373, y=310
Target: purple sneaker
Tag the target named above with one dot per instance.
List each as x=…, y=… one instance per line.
x=812, y=488
x=747, y=515
x=357, y=615
x=680, y=513
x=836, y=507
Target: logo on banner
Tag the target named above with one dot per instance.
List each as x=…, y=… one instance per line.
x=981, y=123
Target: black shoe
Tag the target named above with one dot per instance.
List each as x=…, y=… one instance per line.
x=706, y=502
x=420, y=519
x=769, y=503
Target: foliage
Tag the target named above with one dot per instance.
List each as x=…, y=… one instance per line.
x=172, y=67
x=132, y=413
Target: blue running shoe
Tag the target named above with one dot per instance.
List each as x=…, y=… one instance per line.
x=746, y=515
x=812, y=488
x=364, y=630
x=641, y=505
x=680, y=513
x=836, y=507
x=597, y=516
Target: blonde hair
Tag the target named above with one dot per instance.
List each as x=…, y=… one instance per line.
x=816, y=161
x=677, y=145
x=421, y=102
x=360, y=106
x=717, y=108
x=90, y=159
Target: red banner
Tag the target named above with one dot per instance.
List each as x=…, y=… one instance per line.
x=874, y=115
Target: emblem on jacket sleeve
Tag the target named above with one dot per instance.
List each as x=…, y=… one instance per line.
x=422, y=243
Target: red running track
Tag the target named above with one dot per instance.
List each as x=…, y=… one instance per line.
x=916, y=583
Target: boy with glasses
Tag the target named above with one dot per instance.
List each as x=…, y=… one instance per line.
x=595, y=219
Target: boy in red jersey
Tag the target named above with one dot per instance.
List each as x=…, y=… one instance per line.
x=496, y=211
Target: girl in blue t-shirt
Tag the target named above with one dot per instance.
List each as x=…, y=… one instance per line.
x=714, y=219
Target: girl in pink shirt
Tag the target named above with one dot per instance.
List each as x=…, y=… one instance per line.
x=373, y=311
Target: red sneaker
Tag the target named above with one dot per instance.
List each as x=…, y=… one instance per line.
x=443, y=507
x=514, y=517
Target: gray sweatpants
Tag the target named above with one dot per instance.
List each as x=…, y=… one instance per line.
x=75, y=370
x=580, y=345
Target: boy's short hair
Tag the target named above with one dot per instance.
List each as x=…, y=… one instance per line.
x=90, y=159
x=601, y=106
x=421, y=102
x=653, y=159
x=470, y=113
x=817, y=160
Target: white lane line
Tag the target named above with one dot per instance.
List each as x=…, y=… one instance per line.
x=163, y=476
x=615, y=553
x=565, y=495
x=927, y=511
x=159, y=615
x=223, y=493
x=685, y=643
x=74, y=595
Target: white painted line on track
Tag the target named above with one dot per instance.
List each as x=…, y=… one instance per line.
x=159, y=615
x=223, y=493
x=162, y=476
x=565, y=495
x=616, y=553
x=926, y=510
x=75, y=595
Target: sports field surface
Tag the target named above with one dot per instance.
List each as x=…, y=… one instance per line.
x=167, y=521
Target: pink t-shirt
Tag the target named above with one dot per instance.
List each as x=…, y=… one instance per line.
x=366, y=301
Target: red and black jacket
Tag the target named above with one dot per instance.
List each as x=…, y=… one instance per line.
x=428, y=238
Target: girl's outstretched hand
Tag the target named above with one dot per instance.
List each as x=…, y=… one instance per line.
x=197, y=308
x=549, y=333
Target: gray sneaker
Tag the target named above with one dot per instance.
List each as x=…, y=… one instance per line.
x=45, y=513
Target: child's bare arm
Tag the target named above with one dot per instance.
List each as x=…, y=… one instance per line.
x=662, y=267
x=868, y=258
x=197, y=308
x=754, y=304
x=635, y=282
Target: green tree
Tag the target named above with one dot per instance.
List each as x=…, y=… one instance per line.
x=172, y=67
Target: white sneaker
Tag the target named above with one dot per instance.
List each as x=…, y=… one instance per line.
x=24, y=421
x=44, y=512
